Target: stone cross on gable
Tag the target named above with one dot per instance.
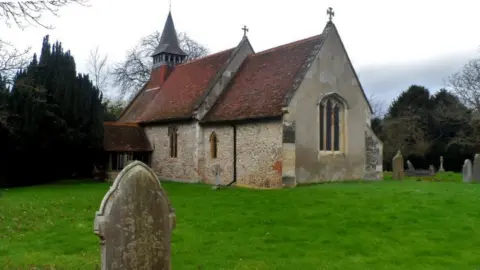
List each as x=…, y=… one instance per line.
x=245, y=30
x=330, y=14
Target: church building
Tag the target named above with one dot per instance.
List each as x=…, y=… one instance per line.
x=289, y=115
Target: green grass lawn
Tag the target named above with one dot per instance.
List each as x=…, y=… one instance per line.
x=381, y=225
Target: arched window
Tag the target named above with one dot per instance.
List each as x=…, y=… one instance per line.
x=173, y=135
x=331, y=120
x=213, y=145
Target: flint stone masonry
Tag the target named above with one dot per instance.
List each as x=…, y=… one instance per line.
x=181, y=168
x=224, y=158
x=135, y=222
x=467, y=171
x=373, y=156
x=259, y=154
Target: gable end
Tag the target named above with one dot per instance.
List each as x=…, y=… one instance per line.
x=353, y=70
x=220, y=73
x=303, y=70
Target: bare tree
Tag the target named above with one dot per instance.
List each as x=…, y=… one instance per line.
x=11, y=60
x=21, y=12
x=134, y=72
x=98, y=69
x=378, y=106
x=466, y=84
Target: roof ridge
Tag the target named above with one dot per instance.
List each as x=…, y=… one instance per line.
x=205, y=57
x=290, y=44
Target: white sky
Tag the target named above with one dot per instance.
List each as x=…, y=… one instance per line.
x=377, y=34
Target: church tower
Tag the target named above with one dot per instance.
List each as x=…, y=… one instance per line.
x=168, y=54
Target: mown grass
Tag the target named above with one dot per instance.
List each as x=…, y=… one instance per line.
x=381, y=225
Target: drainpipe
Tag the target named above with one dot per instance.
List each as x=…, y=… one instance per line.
x=234, y=156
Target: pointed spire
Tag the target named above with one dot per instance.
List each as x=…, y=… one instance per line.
x=169, y=42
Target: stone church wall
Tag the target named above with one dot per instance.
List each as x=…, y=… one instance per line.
x=330, y=72
x=181, y=168
x=373, y=156
x=224, y=159
x=259, y=154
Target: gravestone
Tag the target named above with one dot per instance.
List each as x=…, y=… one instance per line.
x=431, y=169
x=441, y=169
x=135, y=222
x=476, y=169
x=397, y=164
x=467, y=171
x=410, y=166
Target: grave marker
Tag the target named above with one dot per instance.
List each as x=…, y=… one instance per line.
x=397, y=164
x=441, y=169
x=135, y=222
x=476, y=169
x=410, y=166
x=467, y=171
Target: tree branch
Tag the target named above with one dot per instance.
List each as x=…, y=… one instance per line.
x=31, y=12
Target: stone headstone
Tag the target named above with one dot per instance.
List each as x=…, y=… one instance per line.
x=467, y=171
x=135, y=222
x=441, y=169
x=431, y=169
x=397, y=164
x=476, y=169
x=410, y=166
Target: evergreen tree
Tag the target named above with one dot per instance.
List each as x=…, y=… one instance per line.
x=56, y=116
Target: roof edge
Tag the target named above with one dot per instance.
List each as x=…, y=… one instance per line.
x=134, y=98
x=351, y=66
x=166, y=120
x=211, y=84
x=242, y=120
x=300, y=76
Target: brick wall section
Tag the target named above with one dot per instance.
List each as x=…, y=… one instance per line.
x=259, y=154
x=224, y=154
x=181, y=168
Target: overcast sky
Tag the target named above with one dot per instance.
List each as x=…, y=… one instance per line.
x=392, y=44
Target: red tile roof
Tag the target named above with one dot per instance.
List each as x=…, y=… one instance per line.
x=264, y=81
x=137, y=105
x=176, y=98
x=124, y=137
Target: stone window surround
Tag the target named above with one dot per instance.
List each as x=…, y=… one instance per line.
x=173, y=141
x=213, y=145
x=337, y=99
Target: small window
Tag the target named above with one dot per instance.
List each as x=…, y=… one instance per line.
x=213, y=145
x=173, y=135
x=331, y=120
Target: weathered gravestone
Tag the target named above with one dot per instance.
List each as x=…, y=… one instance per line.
x=467, y=171
x=441, y=169
x=476, y=169
x=397, y=164
x=410, y=166
x=135, y=222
